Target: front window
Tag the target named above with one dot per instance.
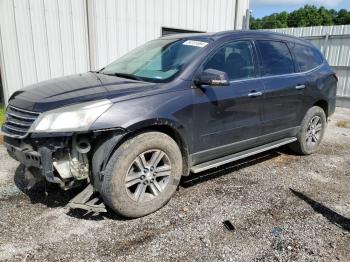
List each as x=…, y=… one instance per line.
x=156, y=61
x=235, y=58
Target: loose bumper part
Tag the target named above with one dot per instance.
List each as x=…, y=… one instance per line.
x=30, y=158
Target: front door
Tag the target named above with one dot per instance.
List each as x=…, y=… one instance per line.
x=228, y=118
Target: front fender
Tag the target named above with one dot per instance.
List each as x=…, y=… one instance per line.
x=172, y=109
x=102, y=151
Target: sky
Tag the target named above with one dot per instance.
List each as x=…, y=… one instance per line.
x=266, y=7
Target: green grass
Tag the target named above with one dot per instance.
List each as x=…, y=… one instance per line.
x=2, y=114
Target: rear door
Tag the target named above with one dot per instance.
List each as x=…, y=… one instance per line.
x=228, y=118
x=284, y=89
x=308, y=60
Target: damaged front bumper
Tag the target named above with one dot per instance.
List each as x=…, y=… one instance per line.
x=66, y=159
x=41, y=160
x=27, y=157
x=52, y=158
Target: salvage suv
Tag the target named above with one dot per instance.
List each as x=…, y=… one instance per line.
x=176, y=105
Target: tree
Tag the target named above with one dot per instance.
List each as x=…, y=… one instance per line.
x=343, y=17
x=326, y=16
x=276, y=20
x=308, y=15
x=255, y=24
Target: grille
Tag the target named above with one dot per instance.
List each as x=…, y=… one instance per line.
x=18, y=122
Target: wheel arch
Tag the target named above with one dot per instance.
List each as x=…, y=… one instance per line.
x=106, y=145
x=323, y=104
x=169, y=127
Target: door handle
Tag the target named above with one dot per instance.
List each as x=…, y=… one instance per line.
x=300, y=87
x=255, y=94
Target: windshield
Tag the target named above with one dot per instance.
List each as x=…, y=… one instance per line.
x=156, y=61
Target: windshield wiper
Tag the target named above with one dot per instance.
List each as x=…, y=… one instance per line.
x=129, y=76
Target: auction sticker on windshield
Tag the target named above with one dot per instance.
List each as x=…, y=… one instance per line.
x=195, y=43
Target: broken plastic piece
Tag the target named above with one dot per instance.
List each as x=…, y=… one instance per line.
x=229, y=225
x=83, y=201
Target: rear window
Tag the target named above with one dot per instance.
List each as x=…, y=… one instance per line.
x=307, y=58
x=276, y=58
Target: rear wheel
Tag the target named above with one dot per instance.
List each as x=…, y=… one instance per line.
x=142, y=174
x=311, y=133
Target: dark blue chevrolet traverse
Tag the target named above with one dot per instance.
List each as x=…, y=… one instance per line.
x=178, y=104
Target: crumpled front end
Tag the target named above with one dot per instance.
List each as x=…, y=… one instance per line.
x=57, y=144
x=61, y=160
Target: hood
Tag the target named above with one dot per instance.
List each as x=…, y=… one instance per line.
x=74, y=89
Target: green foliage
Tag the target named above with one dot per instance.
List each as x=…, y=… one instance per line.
x=343, y=17
x=276, y=20
x=2, y=114
x=309, y=15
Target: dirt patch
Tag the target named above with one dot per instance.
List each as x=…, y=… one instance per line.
x=343, y=123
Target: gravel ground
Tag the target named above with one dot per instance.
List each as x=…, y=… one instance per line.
x=283, y=207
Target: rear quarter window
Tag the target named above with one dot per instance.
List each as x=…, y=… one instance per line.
x=306, y=58
x=276, y=58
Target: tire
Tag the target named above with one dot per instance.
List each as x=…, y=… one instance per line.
x=308, y=141
x=131, y=163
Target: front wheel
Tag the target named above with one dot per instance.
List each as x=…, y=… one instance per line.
x=142, y=174
x=311, y=132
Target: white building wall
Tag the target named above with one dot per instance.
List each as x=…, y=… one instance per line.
x=115, y=27
x=43, y=39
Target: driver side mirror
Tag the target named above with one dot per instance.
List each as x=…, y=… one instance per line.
x=212, y=77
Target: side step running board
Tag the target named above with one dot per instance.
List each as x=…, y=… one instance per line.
x=230, y=158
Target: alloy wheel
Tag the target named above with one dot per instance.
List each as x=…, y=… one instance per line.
x=148, y=175
x=314, y=131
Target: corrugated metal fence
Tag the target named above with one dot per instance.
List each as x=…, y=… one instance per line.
x=42, y=39
x=334, y=42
